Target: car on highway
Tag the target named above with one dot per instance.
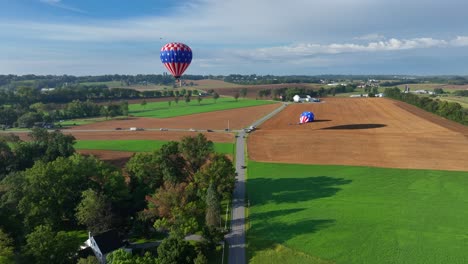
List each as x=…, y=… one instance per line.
x=163, y=129
x=193, y=130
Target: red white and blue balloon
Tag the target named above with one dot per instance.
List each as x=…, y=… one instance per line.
x=306, y=117
x=176, y=57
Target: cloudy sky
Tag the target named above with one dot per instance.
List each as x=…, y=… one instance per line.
x=92, y=37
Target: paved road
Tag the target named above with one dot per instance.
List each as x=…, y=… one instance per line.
x=236, y=238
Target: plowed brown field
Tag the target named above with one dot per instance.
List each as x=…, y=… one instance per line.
x=369, y=132
x=238, y=118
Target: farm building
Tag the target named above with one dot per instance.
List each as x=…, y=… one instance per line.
x=298, y=99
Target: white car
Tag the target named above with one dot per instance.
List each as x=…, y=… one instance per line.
x=163, y=129
x=192, y=130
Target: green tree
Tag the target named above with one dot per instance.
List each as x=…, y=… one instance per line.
x=120, y=256
x=175, y=251
x=88, y=260
x=187, y=99
x=56, y=145
x=143, y=104
x=199, y=99
x=169, y=103
x=176, y=207
x=439, y=91
x=375, y=90
x=7, y=160
x=171, y=163
x=213, y=207
x=212, y=236
x=11, y=192
x=6, y=249
x=45, y=246
x=124, y=108
x=28, y=119
x=243, y=92
x=52, y=190
x=200, y=259
x=176, y=99
x=236, y=96
x=94, y=211
x=215, y=96
x=145, y=177
x=196, y=151
x=219, y=171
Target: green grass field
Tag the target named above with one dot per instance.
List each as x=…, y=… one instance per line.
x=162, y=109
x=463, y=101
x=140, y=145
x=344, y=214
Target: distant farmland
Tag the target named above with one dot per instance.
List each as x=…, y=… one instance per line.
x=163, y=110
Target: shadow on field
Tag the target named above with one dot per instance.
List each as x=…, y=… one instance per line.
x=356, y=126
x=269, y=233
x=278, y=226
x=321, y=120
x=291, y=190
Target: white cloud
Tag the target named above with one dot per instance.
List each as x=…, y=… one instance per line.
x=301, y=50
x=460, y=41
x=371, y=37
x=59, y=4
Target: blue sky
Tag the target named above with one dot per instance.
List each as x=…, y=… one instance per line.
x=93, y=37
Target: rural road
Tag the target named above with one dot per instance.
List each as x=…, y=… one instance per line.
x=236, y=238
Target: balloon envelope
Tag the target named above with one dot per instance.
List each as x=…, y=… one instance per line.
x=176, y=57
x=306, y=117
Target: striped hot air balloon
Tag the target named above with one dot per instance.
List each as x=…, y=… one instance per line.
x=306, y=117
x=176, y=57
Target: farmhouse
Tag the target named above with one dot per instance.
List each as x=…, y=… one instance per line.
x=103, y=244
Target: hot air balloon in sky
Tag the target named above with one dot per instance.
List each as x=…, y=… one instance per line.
x=176, y=57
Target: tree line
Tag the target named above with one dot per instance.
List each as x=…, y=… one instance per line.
x=39, y=114
x=47, y=191
x=288, y=93
x=450, y=110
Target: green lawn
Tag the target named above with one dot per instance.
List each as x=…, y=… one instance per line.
x=344, y=214
x=162, y=109
x=140, y=145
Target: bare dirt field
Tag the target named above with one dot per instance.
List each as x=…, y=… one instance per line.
x=238, y=119
x=147, y=135
x=362, y=131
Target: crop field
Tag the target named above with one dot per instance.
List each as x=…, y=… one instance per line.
x=233, y=119
x=362, y=131
x=346, y=214
x=163, y=110
x=139, y=145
